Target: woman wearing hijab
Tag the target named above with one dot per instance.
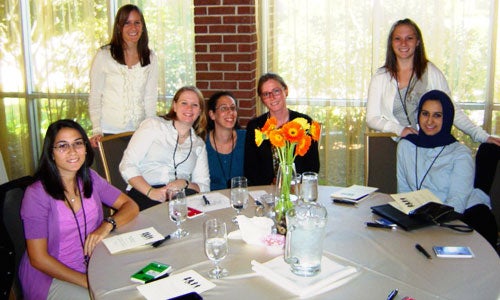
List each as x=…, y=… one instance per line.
x=433, y=159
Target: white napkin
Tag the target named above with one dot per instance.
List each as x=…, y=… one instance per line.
x=332, y=275
x=253, y=230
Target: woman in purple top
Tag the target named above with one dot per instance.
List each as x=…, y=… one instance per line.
x=63, y=217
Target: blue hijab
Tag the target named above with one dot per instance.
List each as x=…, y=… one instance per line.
x=442, y=138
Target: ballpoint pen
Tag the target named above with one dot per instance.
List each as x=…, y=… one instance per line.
x=377, y=225
x=342, y=201
x=206, y=200
x=392, y=294
x=423, y=251
x=158, y=243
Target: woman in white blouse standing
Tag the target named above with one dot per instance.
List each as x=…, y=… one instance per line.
x=407, y=74
x=123, y=77
x=169, y=152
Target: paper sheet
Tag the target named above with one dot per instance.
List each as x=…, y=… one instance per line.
x=133, y=239
x=354, y=192
x=407, y=202
x=175, y=285
x=217, y=201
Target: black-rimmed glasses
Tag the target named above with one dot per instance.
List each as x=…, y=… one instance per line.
x=225, y=108
x=64, y=147
x=275, y=92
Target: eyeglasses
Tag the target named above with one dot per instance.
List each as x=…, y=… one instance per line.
x=225, y=108
x=65, y=147
x=275, y=92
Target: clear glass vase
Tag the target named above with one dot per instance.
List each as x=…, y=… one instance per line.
x=284, y=194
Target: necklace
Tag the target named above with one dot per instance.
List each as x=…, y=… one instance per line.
x=82, y=239
x=419, y=186
x=175, y=151
x=403, y=101
x=226, y=178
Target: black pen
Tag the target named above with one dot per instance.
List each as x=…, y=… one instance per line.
x=158, y=278
x=206, y=200
x=158, y=243
x=392, y=294
x=377, y=225
x=342, y=201
x=423, y=251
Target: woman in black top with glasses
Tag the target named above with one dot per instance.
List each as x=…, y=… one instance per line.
x=260, y=162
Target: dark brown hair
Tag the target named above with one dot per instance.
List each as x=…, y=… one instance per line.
x=116, y=43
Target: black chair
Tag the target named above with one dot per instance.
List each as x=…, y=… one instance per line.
x=12, y=242
x=487, y=176
x=381, y=161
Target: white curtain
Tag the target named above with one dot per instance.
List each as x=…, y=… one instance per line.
x=327, y=50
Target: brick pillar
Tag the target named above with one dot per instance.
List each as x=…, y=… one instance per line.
x=226, y=51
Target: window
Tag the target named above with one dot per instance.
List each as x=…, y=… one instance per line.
x=47, y=51
x=327, y=51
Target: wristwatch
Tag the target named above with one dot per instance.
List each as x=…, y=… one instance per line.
x=111, y=221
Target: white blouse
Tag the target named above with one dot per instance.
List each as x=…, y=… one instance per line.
x=121, y=97
x=152, y=154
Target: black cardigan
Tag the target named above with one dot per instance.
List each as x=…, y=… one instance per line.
x=259, y=160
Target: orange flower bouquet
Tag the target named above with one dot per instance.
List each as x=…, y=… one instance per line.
x=292, y=139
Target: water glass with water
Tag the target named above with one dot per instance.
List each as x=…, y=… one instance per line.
x=177, y=208
x=239, y=195
x=216, y=247
x=309, y=186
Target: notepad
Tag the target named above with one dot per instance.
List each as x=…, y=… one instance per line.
x=130, y=240
x=175, y=285
x=217, y=201
x=354, y=193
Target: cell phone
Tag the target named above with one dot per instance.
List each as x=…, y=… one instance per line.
x=453, y=251
x=193, y=213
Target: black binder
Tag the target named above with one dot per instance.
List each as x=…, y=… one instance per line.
x=408, y=222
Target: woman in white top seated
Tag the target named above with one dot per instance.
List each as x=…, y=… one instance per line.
x=169, y=152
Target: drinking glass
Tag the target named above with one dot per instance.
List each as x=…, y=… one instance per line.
x=239, y=195
x=216, y=247
x=309, y=186
x=177, y=208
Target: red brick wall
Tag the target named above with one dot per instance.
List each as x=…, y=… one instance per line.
x=226, y=50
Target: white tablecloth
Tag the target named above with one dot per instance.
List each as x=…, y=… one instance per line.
x=386, y=259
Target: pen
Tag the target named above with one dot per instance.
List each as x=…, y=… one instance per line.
x=377, y=225
x=341, y=201
x=206, y=200
x=158, y=278
x=392, y=294
x=158, y=243
x=423, y=251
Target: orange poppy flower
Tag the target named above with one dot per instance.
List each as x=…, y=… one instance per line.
x=276, y=138
x=293, y=132
x=303, y=145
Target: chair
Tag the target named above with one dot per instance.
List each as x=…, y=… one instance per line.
x=111, y=148
x=12, y=242
x=487, y=177
x=381, y=161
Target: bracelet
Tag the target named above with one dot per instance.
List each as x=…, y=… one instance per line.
x=149, y=191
